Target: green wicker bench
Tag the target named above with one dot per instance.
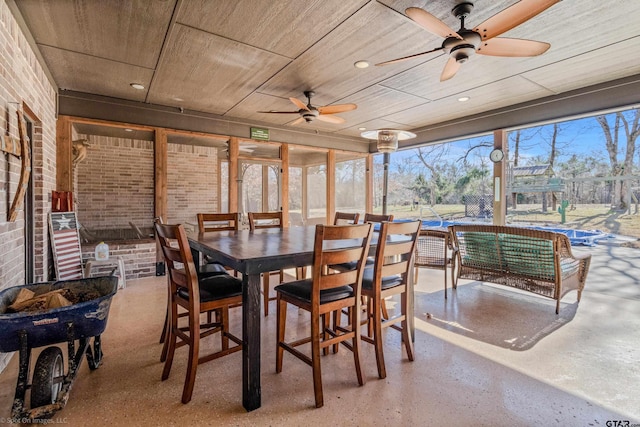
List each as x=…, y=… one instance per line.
x=532, y=260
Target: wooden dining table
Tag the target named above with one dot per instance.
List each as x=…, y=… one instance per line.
x=253, y=253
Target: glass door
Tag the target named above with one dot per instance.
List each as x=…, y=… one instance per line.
x=259, y=189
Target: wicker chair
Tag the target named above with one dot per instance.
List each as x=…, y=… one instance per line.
x=432, y=251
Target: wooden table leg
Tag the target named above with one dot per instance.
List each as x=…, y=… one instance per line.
x=251, y=390
x=411, y=303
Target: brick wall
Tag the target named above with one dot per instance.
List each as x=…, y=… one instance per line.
x=139, y=258
x=192, y=182
x=23, y=80
x=114, y=184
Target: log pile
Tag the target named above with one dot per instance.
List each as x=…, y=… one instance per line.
x=28, y=301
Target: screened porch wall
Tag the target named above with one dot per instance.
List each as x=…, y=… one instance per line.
x=192, y=182
x=114, y=184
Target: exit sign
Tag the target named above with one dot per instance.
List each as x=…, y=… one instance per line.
x=260, y=133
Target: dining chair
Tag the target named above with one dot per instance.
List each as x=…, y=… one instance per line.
x=260, y=220
x=372, y=219
x=432, y=251
x=211, y=271
x=388, y=277
x=196, y=296
x=215, y=222
x=325, y=292
x=376, y=218
x=342, y=218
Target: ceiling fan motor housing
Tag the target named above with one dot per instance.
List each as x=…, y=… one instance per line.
x=309, y=115
x=461, y=50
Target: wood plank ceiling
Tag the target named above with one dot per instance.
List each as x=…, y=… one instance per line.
x=235, y=58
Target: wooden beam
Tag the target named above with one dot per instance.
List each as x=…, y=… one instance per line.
x=161, y=174
x=234, y=150
x=369, y=184
x=499, y=175
x=284, y=183
x=64, y=156
x=265, y=188
x=305, y=196
x=331, y=186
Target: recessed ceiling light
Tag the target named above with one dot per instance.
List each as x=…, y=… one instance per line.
x=362, y=128
x=137, y=86
x=464, y=98
x=361, y=64
x=128, y=130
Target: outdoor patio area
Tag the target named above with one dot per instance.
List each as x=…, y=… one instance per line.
x=487, y=355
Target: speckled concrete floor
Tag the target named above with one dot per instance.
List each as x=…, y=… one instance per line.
x=486, y=356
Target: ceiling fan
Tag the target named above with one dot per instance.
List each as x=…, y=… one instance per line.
x=461, y=45
x=309, y=113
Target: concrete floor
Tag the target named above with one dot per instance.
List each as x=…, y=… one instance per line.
x=487, y=356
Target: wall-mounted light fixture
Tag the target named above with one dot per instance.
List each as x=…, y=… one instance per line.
x=388, y=138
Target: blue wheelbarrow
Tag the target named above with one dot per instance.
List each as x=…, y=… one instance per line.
x=79, y=325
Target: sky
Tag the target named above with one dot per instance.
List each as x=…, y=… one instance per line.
x=582, y=137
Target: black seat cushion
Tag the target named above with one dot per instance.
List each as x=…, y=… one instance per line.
x=301, y=289
x=216, y=287
x=348, y=266
x=387, y=282
x=212, y=268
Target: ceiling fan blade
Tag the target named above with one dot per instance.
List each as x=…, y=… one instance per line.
x=512, y=17
x=297, y=121
x=279, y=112
x=430, y=23
x=450, y=69
x=500, y=46
x=339, y=108
x=301, y=105
x=331, y=119
x=393, y=61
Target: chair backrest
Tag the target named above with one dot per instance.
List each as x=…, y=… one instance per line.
x=343, y=218
x=339, y=244
x=369, y=217
x=265, y=220
x=395, y=249
x=217, y=222
x=431, y=249
x=178, y=258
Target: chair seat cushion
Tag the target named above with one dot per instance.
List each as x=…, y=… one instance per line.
x=301, y=289
x=387, y=282
x=212, y=268
x=216, y=287
x=348, y=266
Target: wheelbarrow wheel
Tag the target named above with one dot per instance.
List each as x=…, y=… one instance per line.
x=47, y=377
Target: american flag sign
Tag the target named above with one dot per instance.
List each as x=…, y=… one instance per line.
x=65, y=241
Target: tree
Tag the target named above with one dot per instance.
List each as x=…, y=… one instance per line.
x=627, y=122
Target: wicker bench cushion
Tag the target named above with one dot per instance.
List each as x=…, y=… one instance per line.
x=527, y=256
x=480, y=250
